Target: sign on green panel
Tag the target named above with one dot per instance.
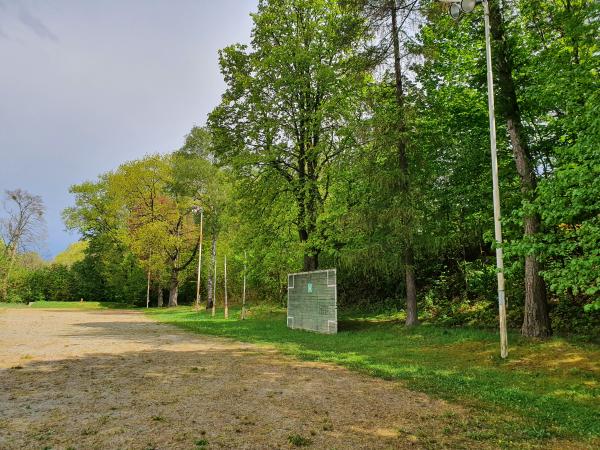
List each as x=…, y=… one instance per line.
x=312, y=301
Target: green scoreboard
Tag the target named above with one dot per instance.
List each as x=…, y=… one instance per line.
x=312, y=301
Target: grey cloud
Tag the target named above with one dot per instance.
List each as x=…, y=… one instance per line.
x=2, y=33
x=128, y=78
x=36, y=25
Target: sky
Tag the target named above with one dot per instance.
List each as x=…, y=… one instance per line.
x=88, y=85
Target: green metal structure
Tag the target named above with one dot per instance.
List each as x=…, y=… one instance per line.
x=312, y=301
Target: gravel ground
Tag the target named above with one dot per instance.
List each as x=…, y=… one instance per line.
x=117, y=380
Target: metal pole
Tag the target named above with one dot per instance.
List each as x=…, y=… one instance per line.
x=214, y=288
x=244, y=290
x=226, y=312
x=496, y=188
x=199, y=263
x=148, y=291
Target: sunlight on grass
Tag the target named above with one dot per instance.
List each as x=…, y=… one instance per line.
x=68, y=305
x=537, y=391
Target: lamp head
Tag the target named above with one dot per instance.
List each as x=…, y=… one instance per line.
x=468, y=5
x=455, y=11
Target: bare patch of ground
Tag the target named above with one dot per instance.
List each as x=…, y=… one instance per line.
x=115, y=379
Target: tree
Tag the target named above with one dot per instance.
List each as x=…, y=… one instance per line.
x=109, y=271
x=404, y=182
x=143, y=212
x=140, y=186
x=286, y=116
x=22, y=227
x=536, y=321
x=160, y=223
x=389, y=19
x=570, y=205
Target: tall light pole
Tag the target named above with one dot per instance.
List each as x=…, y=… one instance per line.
x=148, y=291
x=244, y=289
x=201, y=211
x=226, y=306
x=214, y=287
x=457, y=7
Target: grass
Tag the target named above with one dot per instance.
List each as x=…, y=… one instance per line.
x=299, y=441
x=68, y=305
x=545, y=390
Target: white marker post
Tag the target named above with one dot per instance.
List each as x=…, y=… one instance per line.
x=225, y=280
x=214, y=288
x=199, y=262
x=244, y=290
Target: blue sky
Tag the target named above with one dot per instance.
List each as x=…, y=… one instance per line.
x=87, y=85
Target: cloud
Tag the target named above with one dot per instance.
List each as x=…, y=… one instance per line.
x=36, y=25
x=3, y=35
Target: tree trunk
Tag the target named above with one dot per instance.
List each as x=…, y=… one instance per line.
x=404, y=184
x=411, y=291
x=173, y=288
x=209, y=290
x=536, y=321
x=159, y=295
x=311, y=262
x=311, y=257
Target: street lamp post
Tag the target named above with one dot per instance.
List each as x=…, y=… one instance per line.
x=244, y=289
x=197, y=305
x=457, y=7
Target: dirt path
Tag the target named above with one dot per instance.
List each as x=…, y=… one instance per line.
x=115, y=379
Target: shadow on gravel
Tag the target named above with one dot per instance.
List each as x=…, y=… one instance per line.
x=232, y=398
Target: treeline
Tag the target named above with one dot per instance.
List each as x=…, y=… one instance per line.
x=354, y=134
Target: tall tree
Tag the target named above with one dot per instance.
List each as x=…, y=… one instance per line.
x=536, y=321
x=404, y=182
x=139, y=211
x=285, y=116
x=22, y=227
x=391, y=18
x=558, y=57
x=140, y=186
x=160, y=218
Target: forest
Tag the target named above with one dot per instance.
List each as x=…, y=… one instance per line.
x=354, y=134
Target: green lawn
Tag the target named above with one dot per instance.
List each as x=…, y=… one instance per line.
x=544, y=391
x=68, y=305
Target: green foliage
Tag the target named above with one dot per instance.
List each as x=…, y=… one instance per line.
x=141, y=221
x=298, y=167
x=570, y=206
x=201, y=443
x=286, y=118
x=73, y=254
x=563, y=86
x=299, y=441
